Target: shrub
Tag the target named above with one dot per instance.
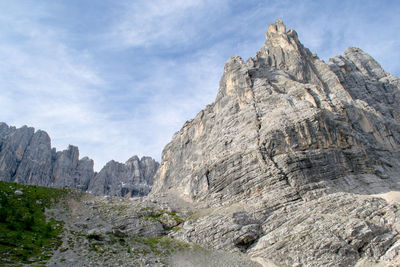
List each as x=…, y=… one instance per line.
x=24, y=231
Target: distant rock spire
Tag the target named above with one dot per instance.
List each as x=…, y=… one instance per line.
x=278, y=27
x=26, y=157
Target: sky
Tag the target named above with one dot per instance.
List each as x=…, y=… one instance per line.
x=119, y=78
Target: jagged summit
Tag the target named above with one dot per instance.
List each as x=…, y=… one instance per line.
x=281, y=102
x=289, y=139
x=26, y=157
x=278, y=27
x=277, y=36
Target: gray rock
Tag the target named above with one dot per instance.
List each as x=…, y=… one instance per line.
x=138, y=225
x=168, y=221
x=286, y=165
x=18, y=192
x=235, y=232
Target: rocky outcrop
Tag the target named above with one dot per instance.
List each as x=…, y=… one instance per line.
x=134, y=178
x=293, y=141
x=26, y=157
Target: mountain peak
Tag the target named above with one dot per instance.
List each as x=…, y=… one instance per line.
x=291, y=138
x=278, y=27
x=277, y=36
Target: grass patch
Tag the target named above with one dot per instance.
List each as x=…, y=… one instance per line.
x=25, y=234
x=157, y=216
x=162, y=245
x=176, y=228
x=175, y=216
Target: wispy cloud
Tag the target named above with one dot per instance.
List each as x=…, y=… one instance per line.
x=163, y=22
x=51, y=86
x=44, y=83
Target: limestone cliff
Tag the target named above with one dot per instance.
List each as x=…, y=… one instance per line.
x=291, y=142
x=26, y=157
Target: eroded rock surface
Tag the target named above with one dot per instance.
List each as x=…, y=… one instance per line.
x=297, y=143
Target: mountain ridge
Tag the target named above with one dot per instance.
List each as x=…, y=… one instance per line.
x=26, y=157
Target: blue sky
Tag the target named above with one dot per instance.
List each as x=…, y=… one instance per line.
x=118, y=78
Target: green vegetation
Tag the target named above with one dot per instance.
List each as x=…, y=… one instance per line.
x=26, y=236
x=175, y=216
x=94, y=236
x=162, y=245
x=157, y=215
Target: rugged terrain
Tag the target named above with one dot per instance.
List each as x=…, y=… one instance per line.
x=295, y=163
x=73, y=228
x=26, y=157
x=290, y=153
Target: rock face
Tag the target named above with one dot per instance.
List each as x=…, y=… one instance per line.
x=26, y=157
x=134, y=178
x=293, y=142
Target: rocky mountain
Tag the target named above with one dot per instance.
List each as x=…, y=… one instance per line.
x=290, y=161
x=26, y=157
x=295, y=163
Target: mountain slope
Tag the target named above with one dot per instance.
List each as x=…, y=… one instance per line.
x=66, y=227
x=288, y=135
